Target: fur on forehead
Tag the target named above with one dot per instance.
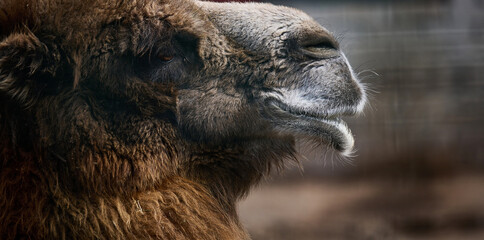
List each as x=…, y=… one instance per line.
x=95, y=14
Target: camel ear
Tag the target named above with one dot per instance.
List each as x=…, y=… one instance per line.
x=26, y=67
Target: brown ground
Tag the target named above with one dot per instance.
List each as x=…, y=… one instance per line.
x=446, y=208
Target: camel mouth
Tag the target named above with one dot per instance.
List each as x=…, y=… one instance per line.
x=317, y=127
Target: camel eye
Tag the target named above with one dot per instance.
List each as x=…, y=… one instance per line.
x=165, y=57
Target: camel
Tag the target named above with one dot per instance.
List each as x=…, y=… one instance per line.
x=150, y=119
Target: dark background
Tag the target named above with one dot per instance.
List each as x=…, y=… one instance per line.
x=418, y=173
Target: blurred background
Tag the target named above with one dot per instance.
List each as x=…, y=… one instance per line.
x=419, y=169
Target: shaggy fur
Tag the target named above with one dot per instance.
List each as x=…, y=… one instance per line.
x=150, y=119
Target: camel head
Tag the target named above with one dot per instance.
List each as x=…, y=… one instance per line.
x=282, y=76
x=214, y=92
x=149, y=119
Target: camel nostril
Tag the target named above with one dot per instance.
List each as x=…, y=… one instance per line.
x=323, y=45
x=318, y=40
x=319, y=46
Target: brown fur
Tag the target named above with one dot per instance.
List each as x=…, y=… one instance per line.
x=102, y=138
x=75, y=165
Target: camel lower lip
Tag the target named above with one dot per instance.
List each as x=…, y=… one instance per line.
x=318, y=128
